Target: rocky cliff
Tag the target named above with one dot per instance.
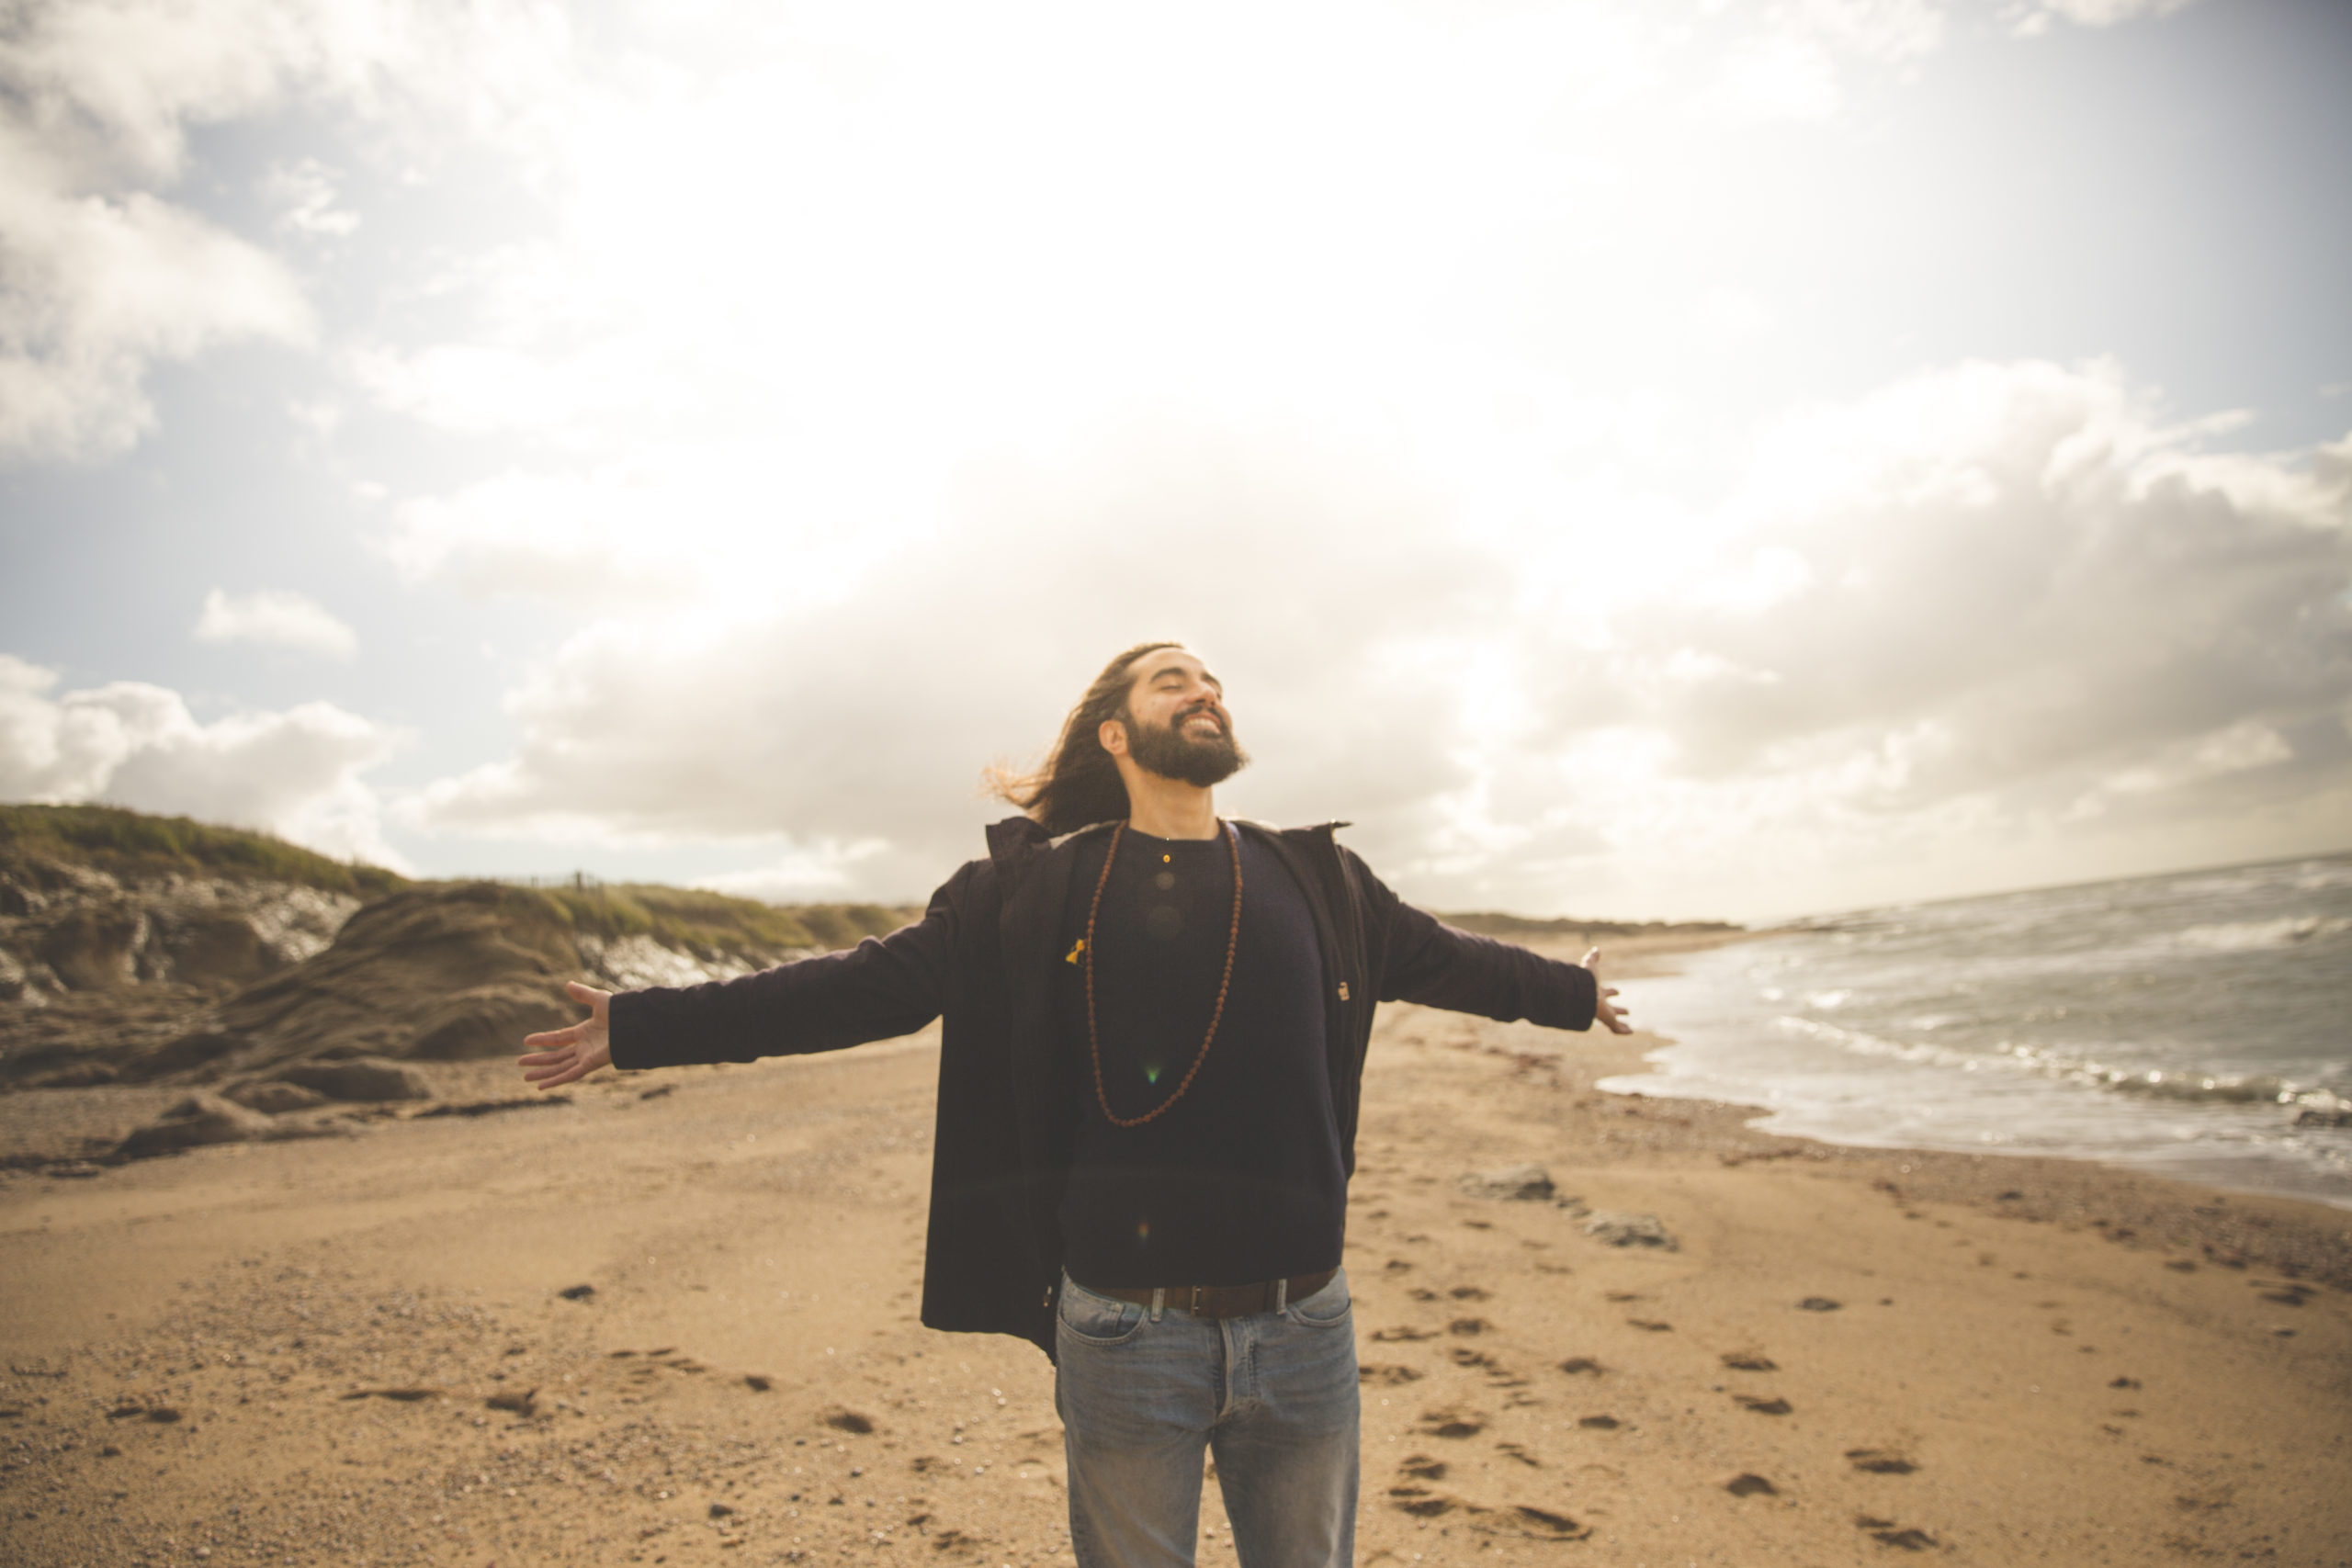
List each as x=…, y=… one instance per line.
x=146, y=950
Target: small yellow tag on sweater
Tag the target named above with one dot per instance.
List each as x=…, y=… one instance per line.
x=1076, y=950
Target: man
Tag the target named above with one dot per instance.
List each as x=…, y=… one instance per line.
x=1155, y=1024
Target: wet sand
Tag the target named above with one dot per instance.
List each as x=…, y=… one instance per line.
x=362, y=1349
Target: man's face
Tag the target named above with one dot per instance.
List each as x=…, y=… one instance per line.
x=1177, y=726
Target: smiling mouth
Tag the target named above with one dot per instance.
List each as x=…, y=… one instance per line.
x=1215, y=724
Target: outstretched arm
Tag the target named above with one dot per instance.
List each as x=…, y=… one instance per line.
x=1421, y=959
x=565, y=1055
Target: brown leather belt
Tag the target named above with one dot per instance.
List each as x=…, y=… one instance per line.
x=1223, y=1301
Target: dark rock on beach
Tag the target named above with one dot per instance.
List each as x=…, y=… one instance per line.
x=194, y=1122
x=366, y=1079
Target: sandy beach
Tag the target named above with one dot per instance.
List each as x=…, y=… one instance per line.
x=671, y=1319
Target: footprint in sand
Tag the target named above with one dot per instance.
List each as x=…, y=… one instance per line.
x=1599, y=1423
x=1421, y=1293
x=1545, y=1525
x=2125, y=1382
x=1380, y=1372
x=1465, y=1356
x=1650, y=1325
x=1887, y=1532
x=1749, y=1361
x=1447, y=1424
x=1580, y=1366
x=1467, y=1293
x=1403, y=1331
x=1818, y=1303
x=1750, y=1485
x=1515, y=1451
x=1775, y=1406
x=1880, y=1461
x=1467, y=1325
x=1420, y=1500
x=1422, y=1466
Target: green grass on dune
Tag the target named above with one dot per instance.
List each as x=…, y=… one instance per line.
x=137, y=845
x=113, y=838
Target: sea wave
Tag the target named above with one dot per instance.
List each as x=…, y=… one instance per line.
x=2246, y=936
x=2187, y=1085
x=2184, y=1084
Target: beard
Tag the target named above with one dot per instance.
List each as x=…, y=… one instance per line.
x=1199, y=760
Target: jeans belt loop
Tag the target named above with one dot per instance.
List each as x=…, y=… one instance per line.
x=1195, y=1308
x=1282, y=1294
x=1158, y=1300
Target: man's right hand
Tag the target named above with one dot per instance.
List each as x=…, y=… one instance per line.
x=564, y=1056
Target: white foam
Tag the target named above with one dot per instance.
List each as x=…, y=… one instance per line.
x=2247, y=936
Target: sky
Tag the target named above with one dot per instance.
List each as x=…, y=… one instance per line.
x=1635, y=458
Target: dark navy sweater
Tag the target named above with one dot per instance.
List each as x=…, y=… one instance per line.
x=1241, y=1180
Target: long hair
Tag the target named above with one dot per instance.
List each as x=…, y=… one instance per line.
x=1077, y=784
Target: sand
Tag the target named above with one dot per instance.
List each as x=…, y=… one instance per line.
x=377, y=1349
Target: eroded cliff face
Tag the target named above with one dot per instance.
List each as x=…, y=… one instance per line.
x=75, y=928
x=107, y=977
x=99, y=968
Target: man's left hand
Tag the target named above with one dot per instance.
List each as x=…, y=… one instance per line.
x=1607, y=1012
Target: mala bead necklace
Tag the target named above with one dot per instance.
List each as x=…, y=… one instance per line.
x=1232, y=940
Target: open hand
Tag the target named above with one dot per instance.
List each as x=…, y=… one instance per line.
x=563, y=1055
x=1602, y=1008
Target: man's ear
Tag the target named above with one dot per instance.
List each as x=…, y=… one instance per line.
x=1113, y=735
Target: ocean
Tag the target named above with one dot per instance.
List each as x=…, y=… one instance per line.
x=2197, y=1024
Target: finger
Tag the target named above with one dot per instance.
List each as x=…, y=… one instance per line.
x=588, y=994
x=548, y=1040
x=1607, y=991
x=1590, y=954
x=544, y=1058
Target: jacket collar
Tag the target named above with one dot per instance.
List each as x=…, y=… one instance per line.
x=1016, y=844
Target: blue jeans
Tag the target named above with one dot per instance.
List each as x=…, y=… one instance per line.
x=1273, y=1395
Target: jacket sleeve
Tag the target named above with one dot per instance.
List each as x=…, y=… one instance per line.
x=1421, y=959
x=883, y=987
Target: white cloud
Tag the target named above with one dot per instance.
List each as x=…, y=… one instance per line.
x=276, y=620
x=2028, y=17
x=305, y=190
x=100, y=287
x=295, y=772
x=106, y=275
x=1929, y=626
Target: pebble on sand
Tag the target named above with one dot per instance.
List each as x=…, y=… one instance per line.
x=1630, y=1230
x=1520, y=1183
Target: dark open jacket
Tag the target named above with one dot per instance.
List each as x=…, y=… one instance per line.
x=984, y=955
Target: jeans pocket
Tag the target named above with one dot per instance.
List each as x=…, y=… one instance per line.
x=1326, y=1307
x=1092, y=1318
